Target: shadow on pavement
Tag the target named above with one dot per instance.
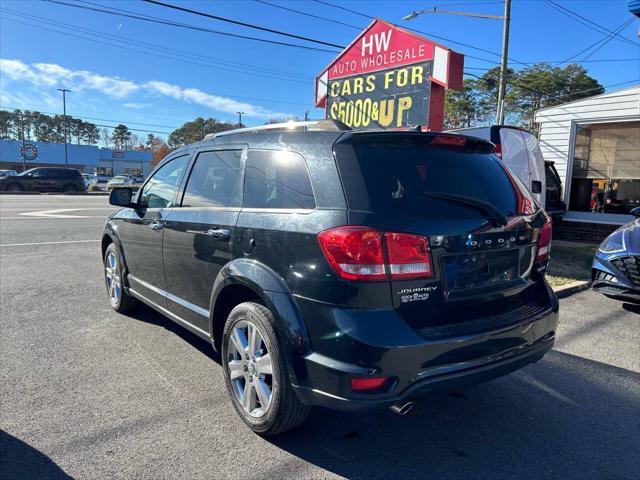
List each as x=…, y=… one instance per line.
x=146, y=314
x=21, y=461
x=565, y=417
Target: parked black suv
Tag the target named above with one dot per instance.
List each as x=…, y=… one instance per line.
x=345, y=269
x=553, y=205
x=44, y=180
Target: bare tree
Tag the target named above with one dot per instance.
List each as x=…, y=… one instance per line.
x=105, y=137
x=134, y=142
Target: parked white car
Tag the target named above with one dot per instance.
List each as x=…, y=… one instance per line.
x=518, y=149
x=8, y=173
x=120, y=181
x=89, y=179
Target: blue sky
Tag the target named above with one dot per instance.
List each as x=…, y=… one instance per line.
x=222, y=74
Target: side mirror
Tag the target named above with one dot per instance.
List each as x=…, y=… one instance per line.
x=536, y=186
x=635, y=212
x=121, y=197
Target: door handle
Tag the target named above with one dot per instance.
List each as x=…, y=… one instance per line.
x=219, y=233
x=156, y=224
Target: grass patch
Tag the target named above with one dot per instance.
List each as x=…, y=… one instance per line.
x=570, y=264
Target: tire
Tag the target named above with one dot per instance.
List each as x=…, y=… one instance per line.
x=69, y=188
x=284, y=410
x=14, y=187
x=119, y=299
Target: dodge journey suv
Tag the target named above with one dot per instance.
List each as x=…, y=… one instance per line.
x=350, y=270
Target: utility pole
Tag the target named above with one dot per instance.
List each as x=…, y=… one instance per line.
x=306, y=116
x=64, y=119
x=240, y=118
x=502, y=86
x=24, y=162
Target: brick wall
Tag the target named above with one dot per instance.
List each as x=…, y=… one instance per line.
x=581, y=231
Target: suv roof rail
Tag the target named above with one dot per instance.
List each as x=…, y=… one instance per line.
x=312, y=126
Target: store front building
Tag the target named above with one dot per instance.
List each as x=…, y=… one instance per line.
x=104, y=162
x=595, y=144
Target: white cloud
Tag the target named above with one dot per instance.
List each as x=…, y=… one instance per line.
x=137, y=106
x=215, y=102
x=48, y=74
x=51, y=75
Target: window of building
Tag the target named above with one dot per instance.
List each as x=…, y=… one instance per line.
x=606, y=168
x=104, y=171
x=134, y=172
x=160, y=190
x=277, y=179
x=214, y=180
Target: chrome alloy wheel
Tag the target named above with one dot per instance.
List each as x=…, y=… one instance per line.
x=114, y=284
x=249, y=364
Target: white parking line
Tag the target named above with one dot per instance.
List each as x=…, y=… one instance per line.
x=45, y=243
x=54, y=213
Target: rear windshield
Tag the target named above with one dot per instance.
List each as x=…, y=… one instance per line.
x=394, y=173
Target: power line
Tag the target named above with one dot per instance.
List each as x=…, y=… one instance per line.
x=161, y=21
x=243, y=24
x=340, y=7
x=585, y=21
x=355, y=12
x=609, y=38
x=269, y=100
x=92, y=118
x=307, y=14
x=554, y=96
x=222, y=61
x=99, y=124
x=149, y=46
x=619, y=28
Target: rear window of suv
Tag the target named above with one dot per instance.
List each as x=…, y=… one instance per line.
x=395, y=172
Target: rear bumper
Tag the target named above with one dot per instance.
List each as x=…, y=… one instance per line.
x=421, y=367
x=464, y=375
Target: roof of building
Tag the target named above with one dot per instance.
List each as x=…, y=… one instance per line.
x=614, y=93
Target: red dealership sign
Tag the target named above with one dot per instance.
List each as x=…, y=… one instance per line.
x=389, y=77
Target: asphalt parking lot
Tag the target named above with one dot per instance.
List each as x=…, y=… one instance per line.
x=88, y=393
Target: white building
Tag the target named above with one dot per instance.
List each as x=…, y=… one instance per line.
x=595, y=144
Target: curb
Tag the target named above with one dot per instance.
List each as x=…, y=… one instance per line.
x=571, y=288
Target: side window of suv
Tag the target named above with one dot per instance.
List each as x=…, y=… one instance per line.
x=214, y=180
x=39, y=172
x=277, y=179
x=160, y=189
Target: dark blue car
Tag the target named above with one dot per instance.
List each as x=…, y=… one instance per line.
x=616, y=265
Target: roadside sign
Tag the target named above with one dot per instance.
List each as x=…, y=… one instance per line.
x=29, y=152
x=389, y=78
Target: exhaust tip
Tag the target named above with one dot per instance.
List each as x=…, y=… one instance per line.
x=401, y=408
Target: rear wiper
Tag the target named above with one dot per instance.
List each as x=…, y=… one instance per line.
x=489, y=209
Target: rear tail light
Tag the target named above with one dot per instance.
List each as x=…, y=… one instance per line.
x=368, y=384
x=544, y=242
x=362, y=253
x=498, y=151
x=408, y=255
x=354, y=252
